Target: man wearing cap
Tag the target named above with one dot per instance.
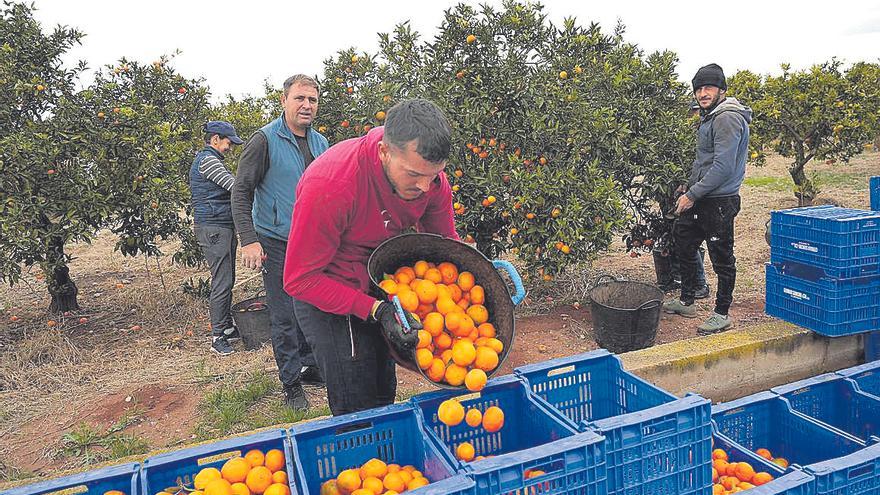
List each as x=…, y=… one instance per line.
x=711, y=198
x=271, y=164
x=211, y=182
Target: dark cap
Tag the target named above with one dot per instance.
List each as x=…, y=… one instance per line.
x=224, y=129
x=709, y=75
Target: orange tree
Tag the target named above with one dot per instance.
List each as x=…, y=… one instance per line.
x=820, y=113
x=562, y=135
x=74, y=162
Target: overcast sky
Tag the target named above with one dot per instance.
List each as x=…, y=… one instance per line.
x=237, y=45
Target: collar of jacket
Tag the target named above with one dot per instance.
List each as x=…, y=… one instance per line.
x=210, y=149
x=282, y=130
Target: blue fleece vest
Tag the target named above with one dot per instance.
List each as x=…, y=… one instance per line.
x=276, y=193
x=211, y=203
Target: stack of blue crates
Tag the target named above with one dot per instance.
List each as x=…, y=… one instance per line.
x=824, y=270
x=875, y=193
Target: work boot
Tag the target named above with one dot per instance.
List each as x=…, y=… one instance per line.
x=295, y=397
x=714, y=324
x=221, y=346
x=702, y=292
x=675, y=306
x=311, y=375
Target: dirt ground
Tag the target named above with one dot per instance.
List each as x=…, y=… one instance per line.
x=143, y=351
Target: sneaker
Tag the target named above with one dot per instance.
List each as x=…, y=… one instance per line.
x=311, y=375
x=232, y=334
x=221, y=346
x=702, y=292
x=295, y=397
x=714, y=324
x=675, y=306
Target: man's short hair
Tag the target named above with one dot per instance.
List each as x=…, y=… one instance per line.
x=300, y=79
x=209, y=135
x=423, y=121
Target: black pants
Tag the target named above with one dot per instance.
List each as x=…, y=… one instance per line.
x=710, y=220
x=291, y=350
x=353, y=358
x=218, y=246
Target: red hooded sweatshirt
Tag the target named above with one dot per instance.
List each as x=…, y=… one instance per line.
x=345, y=207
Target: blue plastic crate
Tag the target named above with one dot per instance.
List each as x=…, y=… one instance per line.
x=173, y=471
x=793, y=483
x=835, y=401
x=800, y=283
x=393, y=434
x=808, y=304
x=824, y=218
x=875, y=193
x=866, y=377
x=853, y=474
x=123, y=477
x=765, y=420
x=656, y=443
x=573, y=465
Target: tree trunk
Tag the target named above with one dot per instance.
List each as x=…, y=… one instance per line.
x=61, y=287
x=805, y=191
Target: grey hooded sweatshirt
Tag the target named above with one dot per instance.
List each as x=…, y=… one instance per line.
x=722, y=148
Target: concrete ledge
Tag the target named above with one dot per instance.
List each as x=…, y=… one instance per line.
x=736, y=363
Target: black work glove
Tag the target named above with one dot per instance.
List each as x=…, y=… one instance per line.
x=401, y=338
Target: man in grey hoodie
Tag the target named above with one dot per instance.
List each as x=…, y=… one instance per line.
x=711, y=199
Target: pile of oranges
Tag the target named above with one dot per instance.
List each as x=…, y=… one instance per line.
x=734, y=477
x=254, y=474
x=457, y=345
x=452, y=413
x=375, y=477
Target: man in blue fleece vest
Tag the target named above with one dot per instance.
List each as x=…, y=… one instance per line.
x=711, y=201
x=271, y=164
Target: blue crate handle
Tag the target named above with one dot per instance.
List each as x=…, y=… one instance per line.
x=80, y=479
x=805, y=383
x=555, y=447
x=520, y=291
x=862, y=464
x=659, y=430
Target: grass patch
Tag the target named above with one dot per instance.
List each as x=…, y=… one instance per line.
x=249, y=403
x=773, y=183
x=89, y=445
x=822, y=180
x=9, y=473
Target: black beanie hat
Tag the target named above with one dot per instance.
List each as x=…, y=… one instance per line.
x=709, y=75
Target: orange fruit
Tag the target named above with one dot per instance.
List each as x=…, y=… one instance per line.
x=394, y=482
x=764, y=453
x=478, y=313
x=465, y=452
x=466, y=326
x=374, y=485
x=495, y=344
x=455, y=375
x=455, y=292
x=443, y=291
x=409, y=301
x=218, y=487
x=714, y=475
x=453, y=321
x=403, y=278
x=420, y=267
x=446, y=357
x=275, y=460
x=424, y=358
x=478, y=296
x=406, y=475
x=329, y=488
x=393, y=468
x=475, y=380
x=362, y=491
x=277, y=489
x=720, y=465
x=448, y=272
x=239, y=489
x=719, y=454
x=375, y=468
x=731, y=469
x=417, y=482
x=446, y=306
x=443, y=341
x=493, y=419
x=474, y=417
x=450, y=413
x=437, y=370
x=206, y=476
x=745, y=485
x=255, y=457
x=258, y=479
x=485, y=359
x=114, y=492
x=427, y=291
x=729, y=482
x=389, y=286
x=348, y=480
x=235, y=470
x=464, y=353
x=434, y=275
x=486, y=330
x=744, y=471
x=760, y=478
x=280, y=476
x=717, y=489
x=780, y=461
x=466, y=281
x=434, y=323
x=463, y=303
x=425, y=339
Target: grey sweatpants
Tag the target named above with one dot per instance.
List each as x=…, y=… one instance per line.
x=218, y=247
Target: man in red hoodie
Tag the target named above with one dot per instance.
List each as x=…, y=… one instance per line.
x=353, y=197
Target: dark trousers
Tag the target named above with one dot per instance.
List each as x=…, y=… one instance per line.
x=668, y=269
x=710, y=220
x=292, y=352
x=353, y=358
x=218, y=247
